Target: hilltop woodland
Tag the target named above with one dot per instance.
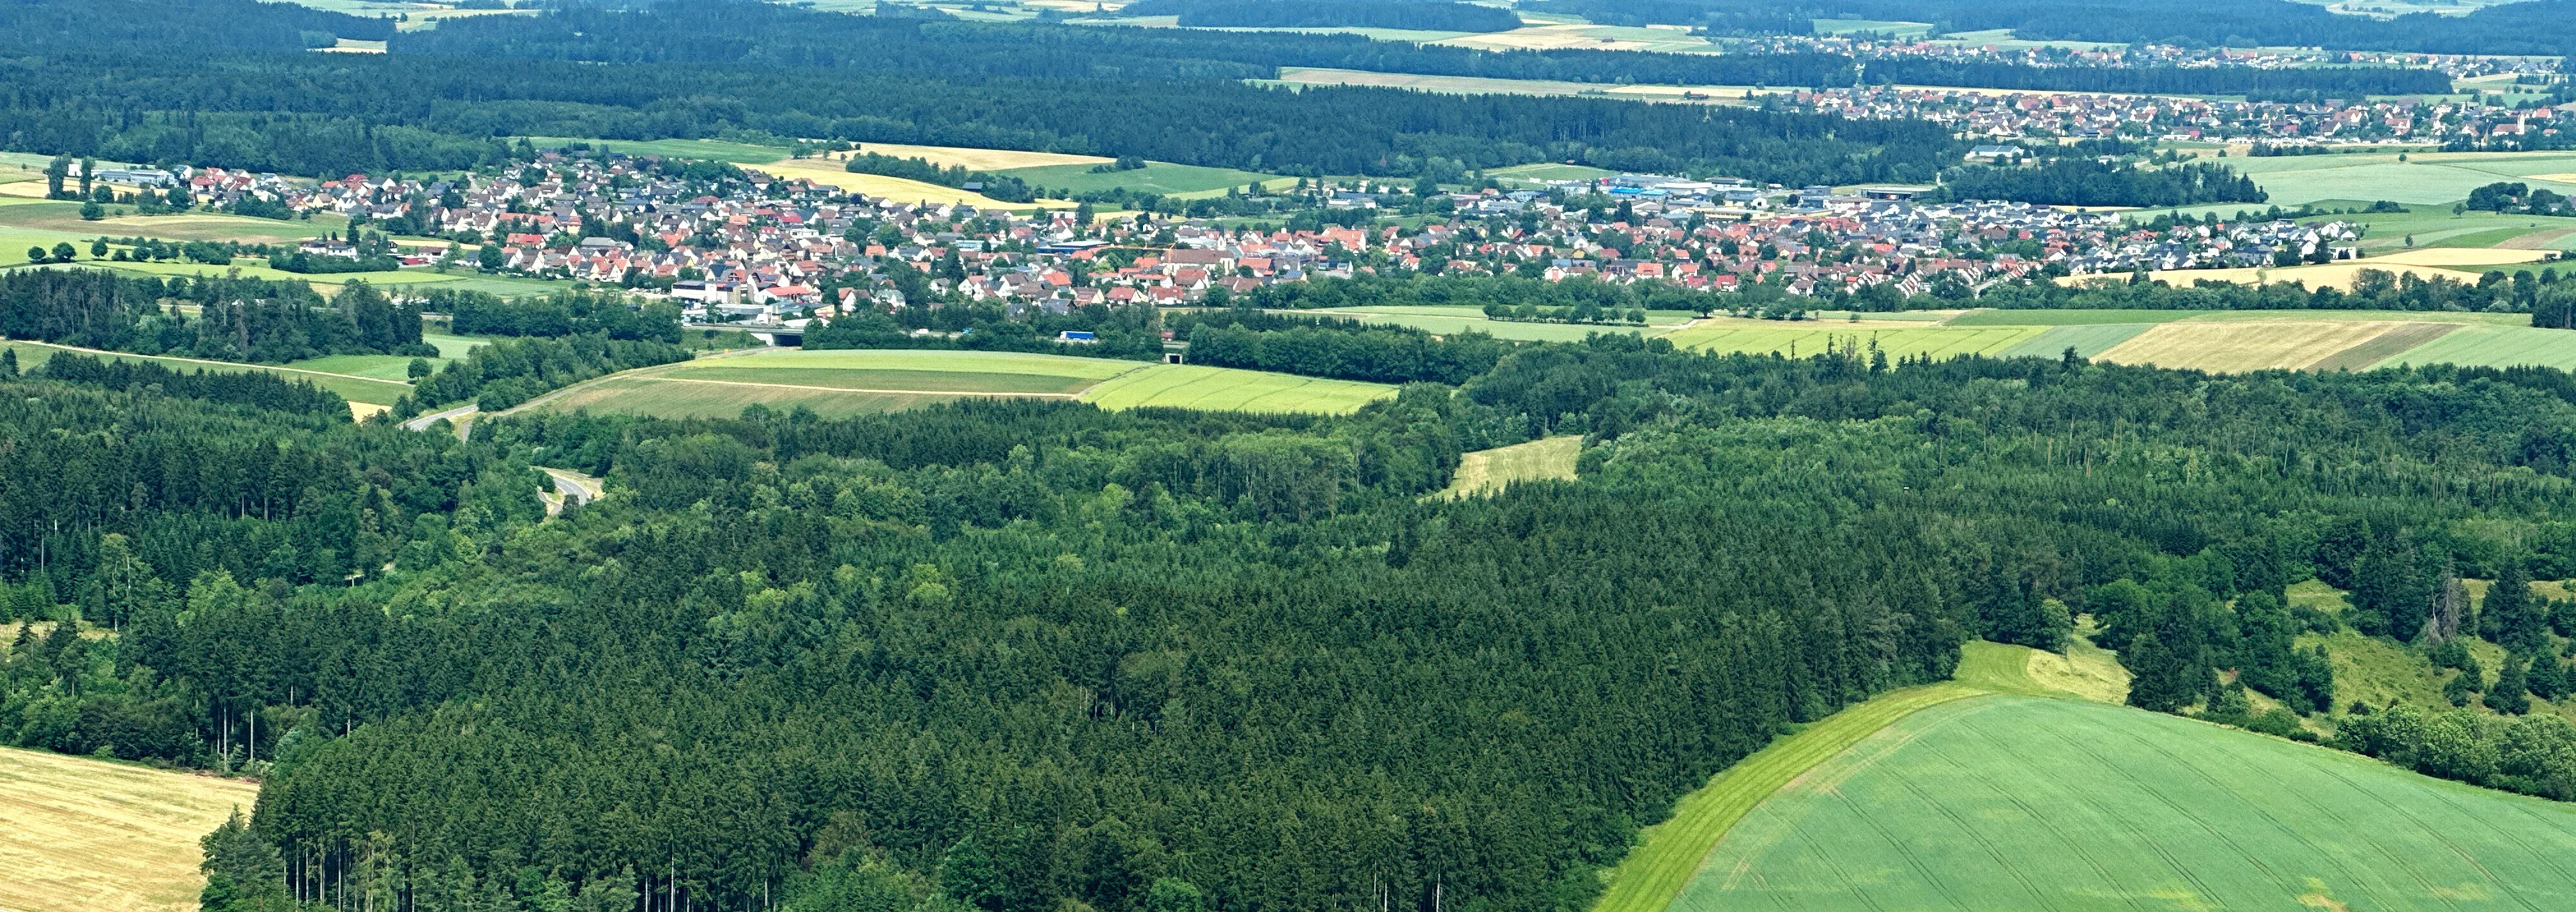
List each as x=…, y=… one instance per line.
x=707, y=68
x=1428, y=15
x=1012, y=656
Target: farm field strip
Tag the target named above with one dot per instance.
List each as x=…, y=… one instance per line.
x=84, y=835
x=2396, y=341
x=2244, y=346
x=1490, y=471
x=2493, y=346
x=2087, y=339
x=643, y=396
x=1938, y=342
x=2069, y=317
x=2011, y=803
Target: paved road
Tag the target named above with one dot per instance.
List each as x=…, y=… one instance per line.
x=456, y=414
x=576, y=487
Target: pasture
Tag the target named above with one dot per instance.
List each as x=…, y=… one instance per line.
x=64, y=217
x=1490, y=471
x=85, y=835
x=2016, y=803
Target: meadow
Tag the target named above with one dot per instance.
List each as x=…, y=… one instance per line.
x=64, y=217
x=1490, y=471
x=366, y=394
x=2010, y=802
x=85, y=835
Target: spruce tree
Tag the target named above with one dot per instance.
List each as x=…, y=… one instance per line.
x=2518, y=623
x=2510, y=694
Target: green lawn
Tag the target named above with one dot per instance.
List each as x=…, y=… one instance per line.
x=2005, y=803
x=1162, y=178
x=1222, y=389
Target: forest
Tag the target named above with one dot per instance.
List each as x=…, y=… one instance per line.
x=254, y=320
x=2075, y=181
x=1012, y=655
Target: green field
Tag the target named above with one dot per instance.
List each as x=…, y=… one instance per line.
x=64, y=217
x=2493, y=346
x=1162, y=178
x=2070, y=317
x=1809, y=338
x=840, y=383
x=2013, y=803
x=1847, y=26
x=1223, y=389
x=2424, y=178
x=1452, y=320
x=1490, y=471
x=2088, y=339
x=353, y=388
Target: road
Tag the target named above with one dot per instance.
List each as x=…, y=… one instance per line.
x=459, y=415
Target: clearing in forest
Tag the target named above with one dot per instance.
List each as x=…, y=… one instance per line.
x=2004, y=803
x=84, y=835
x=1490, y=471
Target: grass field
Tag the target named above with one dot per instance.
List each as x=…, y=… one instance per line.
x=2493, y=346
x=1490, y=471
x=374, y=393
x=1162, y=178
x=1668, y=855
x=1481, y=85
x=2013, y=803
x=1549, y=172
x=64, y=217
x=2425, y=177
x=1802, y=339
x=708, y=149
x=2087, y=339
x=83, y=835
x=1223, y=389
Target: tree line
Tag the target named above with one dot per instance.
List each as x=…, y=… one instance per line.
x=258, y=389
x=2072, y=181
x=237, y=319
x=1425, y=15
x=507, y=372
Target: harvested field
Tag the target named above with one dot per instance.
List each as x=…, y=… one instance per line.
x=2245, y=345
x=981, y=159
x=84, y=835
x=2458, y=256
x=829, y=174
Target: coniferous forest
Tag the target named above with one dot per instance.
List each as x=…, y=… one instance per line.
x=1013, y=656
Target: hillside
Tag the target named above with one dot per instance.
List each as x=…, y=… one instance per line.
x=82, y=835
x=2013, y=802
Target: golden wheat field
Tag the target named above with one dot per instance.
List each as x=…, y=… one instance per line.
x=83, y=835
x=2245, y=345
x=829, y=174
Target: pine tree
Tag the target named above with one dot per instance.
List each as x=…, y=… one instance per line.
x=2510, y=694
x=2518, y=623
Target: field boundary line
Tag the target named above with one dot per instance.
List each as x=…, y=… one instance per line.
x=561, y=391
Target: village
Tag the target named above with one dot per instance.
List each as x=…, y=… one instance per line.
x=762, y=249
x=2067, y=115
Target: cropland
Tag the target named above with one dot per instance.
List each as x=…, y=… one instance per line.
x=842, y=383
x=2008, y=802
x=83, y=835
x=1449, y=320
x=2424, y=177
